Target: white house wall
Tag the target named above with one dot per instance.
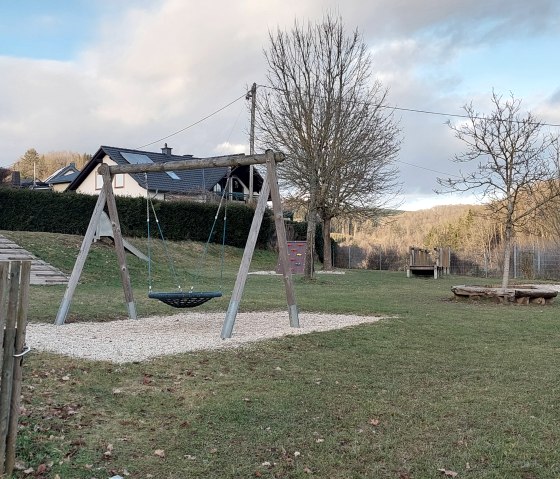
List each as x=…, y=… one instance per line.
x=60, y=187
x=90, y=185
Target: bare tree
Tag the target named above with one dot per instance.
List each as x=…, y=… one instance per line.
x=323, y=110
x=517, y=170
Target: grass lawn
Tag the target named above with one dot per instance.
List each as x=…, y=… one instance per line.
x=467, y=387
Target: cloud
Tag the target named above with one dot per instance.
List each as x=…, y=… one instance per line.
x=227, y=148
x=154, y=68
x=555, y=98
x=419, y=201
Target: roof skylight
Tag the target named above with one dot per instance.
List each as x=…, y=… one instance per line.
x=136, y=159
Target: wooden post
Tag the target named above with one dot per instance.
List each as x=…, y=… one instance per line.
x=8, y=359
x=241, y=279
x=4, y=295
x=20, y=350
x=270, y=186
x=117, y=236
x=253, y=94
x=4, y=290
x=282, y=242
x=80, y=260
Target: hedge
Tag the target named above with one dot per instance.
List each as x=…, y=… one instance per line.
x=69, y=213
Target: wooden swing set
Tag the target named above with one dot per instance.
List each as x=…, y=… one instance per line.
x=182, y=299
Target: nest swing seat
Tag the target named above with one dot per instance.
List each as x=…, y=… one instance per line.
x=180, y=299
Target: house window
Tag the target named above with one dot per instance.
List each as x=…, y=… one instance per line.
x=119, y=180
x=98, y=182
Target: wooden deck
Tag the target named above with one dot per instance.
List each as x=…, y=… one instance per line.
x=42, y=273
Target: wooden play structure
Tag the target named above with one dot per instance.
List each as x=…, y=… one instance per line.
x=107, y=197
x=424, y=262
x=105, y=230
x=297, y=253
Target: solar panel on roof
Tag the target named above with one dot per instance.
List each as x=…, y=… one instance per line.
x=136, y=159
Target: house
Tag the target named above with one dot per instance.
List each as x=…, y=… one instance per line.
x=61, y=178
x=200, y=184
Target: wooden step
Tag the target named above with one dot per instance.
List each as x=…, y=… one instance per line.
x=42, y=273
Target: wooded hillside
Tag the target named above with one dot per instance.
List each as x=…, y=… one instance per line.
x=472, y=235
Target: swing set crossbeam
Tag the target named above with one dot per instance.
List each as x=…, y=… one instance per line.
x=194, y=164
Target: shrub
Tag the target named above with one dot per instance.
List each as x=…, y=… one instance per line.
x=70, y=213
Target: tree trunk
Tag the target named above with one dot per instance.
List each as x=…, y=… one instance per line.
x=507, y=252
x=327, y=245
x=310, y=245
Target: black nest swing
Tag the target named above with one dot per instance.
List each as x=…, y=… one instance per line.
x=180, y=298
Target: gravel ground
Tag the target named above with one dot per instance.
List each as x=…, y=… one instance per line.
x=146, y=338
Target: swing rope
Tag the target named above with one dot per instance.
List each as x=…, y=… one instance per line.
x=181, y=299
x=202, y=263
x=150, y=203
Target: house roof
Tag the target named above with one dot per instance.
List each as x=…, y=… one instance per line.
x=66, y=174
x=181, y=181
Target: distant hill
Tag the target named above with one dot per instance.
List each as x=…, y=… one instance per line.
x=408, y=228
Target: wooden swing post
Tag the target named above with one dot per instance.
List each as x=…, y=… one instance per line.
x=270, y=186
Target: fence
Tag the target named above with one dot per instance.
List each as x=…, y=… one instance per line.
x=526, y=262
x=354, y=257
x=14, y=299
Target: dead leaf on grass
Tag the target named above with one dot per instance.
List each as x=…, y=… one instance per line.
x=448, y=472
x=109, y=451
x=159, y=453
x=374, y=422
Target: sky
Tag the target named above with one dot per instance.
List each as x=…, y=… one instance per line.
x=78, y=74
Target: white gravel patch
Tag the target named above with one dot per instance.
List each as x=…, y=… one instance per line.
x=146, y=338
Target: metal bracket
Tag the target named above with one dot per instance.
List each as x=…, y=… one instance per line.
x=26, y=349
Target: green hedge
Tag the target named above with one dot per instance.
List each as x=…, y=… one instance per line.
x=69, y=213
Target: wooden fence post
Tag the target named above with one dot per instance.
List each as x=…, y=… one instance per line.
x=14, y=294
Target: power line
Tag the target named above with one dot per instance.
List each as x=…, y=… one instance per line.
x=457, y=115
x=389, y=107
x=427, y=112
x=195, y=123
x=427, y=169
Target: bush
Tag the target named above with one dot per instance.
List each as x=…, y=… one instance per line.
x=70, y=213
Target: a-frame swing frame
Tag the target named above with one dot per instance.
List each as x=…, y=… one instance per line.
x=107, y=197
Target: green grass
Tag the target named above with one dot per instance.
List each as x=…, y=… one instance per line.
x=471, y=387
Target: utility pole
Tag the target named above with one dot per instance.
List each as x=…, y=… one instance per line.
x=252, y=94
